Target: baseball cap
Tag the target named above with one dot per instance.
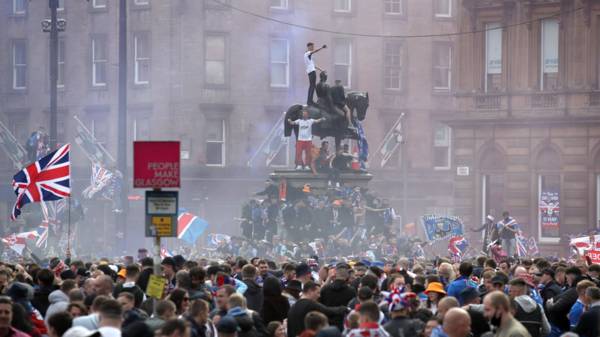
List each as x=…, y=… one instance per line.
x=227, y=324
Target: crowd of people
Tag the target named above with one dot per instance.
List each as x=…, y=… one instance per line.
x=336, y=221
x=236, y=297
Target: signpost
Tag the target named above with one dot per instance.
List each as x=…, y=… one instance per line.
x=156, y=165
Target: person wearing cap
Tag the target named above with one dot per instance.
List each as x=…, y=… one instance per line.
x=490, y=232
x=579, y=307
x=435, y=292
x=549, y=287
x=471, y=299
x=401, y=324
x=527, y=310
x=558, y=307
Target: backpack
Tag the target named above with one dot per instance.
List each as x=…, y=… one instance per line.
x=532, y=321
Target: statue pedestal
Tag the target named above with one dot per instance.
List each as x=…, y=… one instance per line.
x=319, y=181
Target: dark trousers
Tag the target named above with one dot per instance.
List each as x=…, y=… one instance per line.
x=312, y=84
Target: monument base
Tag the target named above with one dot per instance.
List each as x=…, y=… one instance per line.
x=319, y=181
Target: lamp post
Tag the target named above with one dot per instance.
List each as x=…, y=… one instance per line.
x=121, y=217
x=53, y=26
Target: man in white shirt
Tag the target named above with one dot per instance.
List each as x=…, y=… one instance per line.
x=311, y=69
x=304, y=139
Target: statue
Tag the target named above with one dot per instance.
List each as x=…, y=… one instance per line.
x=337, y=123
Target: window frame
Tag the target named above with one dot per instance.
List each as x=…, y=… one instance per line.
x=489, y=28
x=223, y=143
x=338, y=43
x=16, y=67
x=287, y=63
x=343, y=11
x=95, y=40
x=141, y=3
x=138, y=61
x=435, y=67
x=96, y=6
x=280, y=7
x=14, y=11
x=225, y=60
x=387, y=67
x=61, y=8
x=449, y=147
x=387, y=3
x=542, y=53
x=436, y=9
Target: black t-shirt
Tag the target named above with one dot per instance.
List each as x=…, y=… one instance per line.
x=342, y=161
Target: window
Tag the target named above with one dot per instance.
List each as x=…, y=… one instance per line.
x=442, y=67
x=214, y=63
x=549, y=211
x=443, y=8
x=99, y=4
x=19, y=56
x=141, y=54
x=342, y=67
x=19, y=7
x=393, y=7
x=342, y=6
x=549, y=55
x=279, y=4
x=99, y=61
x=215, y=142
x=493, y=57
x=141, y=2
x=392, y=64
x=441, y=148
x=61, y=64
x=61, y=5
x=280, y=62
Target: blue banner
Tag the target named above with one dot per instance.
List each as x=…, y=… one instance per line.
x=441, y=227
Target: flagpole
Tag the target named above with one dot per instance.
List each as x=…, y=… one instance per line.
x=69, y=226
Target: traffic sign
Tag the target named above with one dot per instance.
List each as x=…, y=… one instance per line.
x=161, y=213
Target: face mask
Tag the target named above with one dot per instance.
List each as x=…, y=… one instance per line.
x=496, y=319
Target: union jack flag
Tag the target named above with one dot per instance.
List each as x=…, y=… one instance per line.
x=45, y=180
x=457, y=246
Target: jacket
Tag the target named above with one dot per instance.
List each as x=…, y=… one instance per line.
x=558, y=309
x=40, y=299
x=403, y=327
x=244, y=321
x=550, y=290
x=338, y=293
x=531, y=315
x=302, y=307
x=275, y=306
x=59, y=302
x=254, y=295
x=588, y=323
x=512, y=329
x=458, y=285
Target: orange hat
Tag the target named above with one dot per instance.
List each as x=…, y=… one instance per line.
x=436, y=287
x=122, y=273
x=306, y=188
x=337, y=203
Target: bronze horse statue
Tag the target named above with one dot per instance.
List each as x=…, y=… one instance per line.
x=335, y=125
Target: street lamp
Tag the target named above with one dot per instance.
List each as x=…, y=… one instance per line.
x=53, y=26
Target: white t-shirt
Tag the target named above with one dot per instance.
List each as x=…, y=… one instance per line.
x=309, y=63
x=305, y=129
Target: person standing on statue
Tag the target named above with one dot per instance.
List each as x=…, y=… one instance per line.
x=490, y=232
x=507, y=229
x=311, y=70
x=304, y=140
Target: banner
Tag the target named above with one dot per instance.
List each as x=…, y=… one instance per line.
x=594, y=255
x=493, y=40
x=549, y=209
x=441, y=227
x=583, y=243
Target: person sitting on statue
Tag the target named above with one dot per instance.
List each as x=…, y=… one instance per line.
x=324, y=96
x=338, y=95
x=304, y=140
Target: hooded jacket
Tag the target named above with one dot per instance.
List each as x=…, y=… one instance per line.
x=254, y=295
x=337, y=293
x=558, y=309
x=275, y=306
x=59, y=301
x=531, y=315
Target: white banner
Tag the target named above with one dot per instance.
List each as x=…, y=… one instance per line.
x=550, y=46
x=493, y=50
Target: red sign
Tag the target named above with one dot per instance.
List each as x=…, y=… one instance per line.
x=594, y=255
x=156, y=164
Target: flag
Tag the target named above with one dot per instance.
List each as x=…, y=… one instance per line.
x=164, y=252
x=521, y=246
x=215, y=240
x=17, y=242
x=363, y=145
x=457, y=246
x=441, y=227
x=532, y=247
x=190, y=227
x=98, y=181
x=45, y=180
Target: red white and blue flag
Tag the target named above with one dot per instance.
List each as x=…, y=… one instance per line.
x=164, y=252
x=45, y=180
x=18, y=242
x=457, y=246
x=190, y=227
